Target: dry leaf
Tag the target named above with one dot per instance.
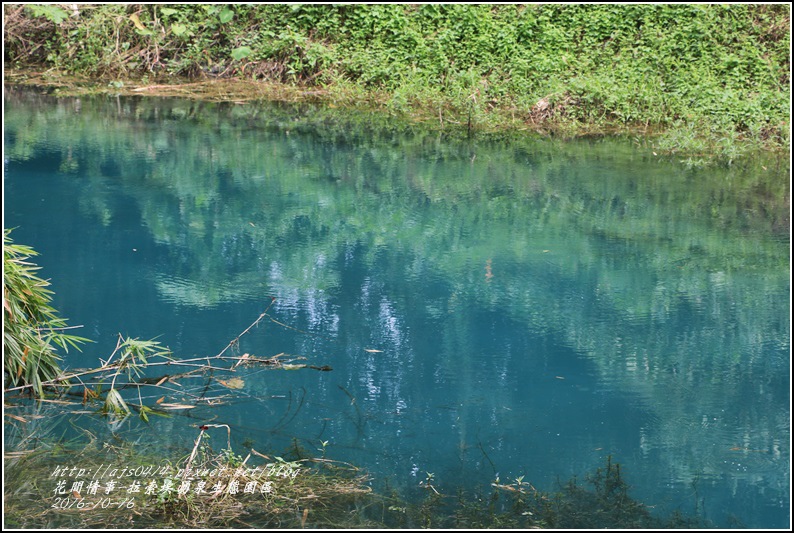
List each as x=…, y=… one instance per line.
x=135, y=20
x=372, y=350
x=176, y=406
x=160, y=400
x=234, y=383
x=242, y=358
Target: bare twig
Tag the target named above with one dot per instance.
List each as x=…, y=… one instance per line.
x=246, y=330
x=193, y=453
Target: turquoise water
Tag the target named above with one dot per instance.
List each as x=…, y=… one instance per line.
x=490, y=308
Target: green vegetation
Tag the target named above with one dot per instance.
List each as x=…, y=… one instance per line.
x=32, y=329
x=41, y=489
x=99, y=480
x=711, y=80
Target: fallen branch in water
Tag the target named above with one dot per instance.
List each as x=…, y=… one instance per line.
x=123, y=369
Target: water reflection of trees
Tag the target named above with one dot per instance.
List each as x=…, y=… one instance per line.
x=252, y=200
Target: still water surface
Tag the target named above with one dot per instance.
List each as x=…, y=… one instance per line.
x=488, y=308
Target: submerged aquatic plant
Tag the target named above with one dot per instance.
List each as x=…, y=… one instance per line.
x=226, y=487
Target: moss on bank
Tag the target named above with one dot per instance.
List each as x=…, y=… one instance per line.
x=705, y=78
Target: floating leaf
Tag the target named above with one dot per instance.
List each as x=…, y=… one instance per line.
x=176, y=406
x=372, y=350
x=234, y=383
x=292, y=367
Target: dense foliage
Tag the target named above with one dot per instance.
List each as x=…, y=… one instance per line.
x=713, y=76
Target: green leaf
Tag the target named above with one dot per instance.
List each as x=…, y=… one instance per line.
x=168, y=11
x=241, y=53
x=115, y=404
x=226, y=15
x=52, y=13
x=178, y=29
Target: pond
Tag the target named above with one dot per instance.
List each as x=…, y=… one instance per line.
x=489, y=307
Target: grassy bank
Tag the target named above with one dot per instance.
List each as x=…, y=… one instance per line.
x=703, y=79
